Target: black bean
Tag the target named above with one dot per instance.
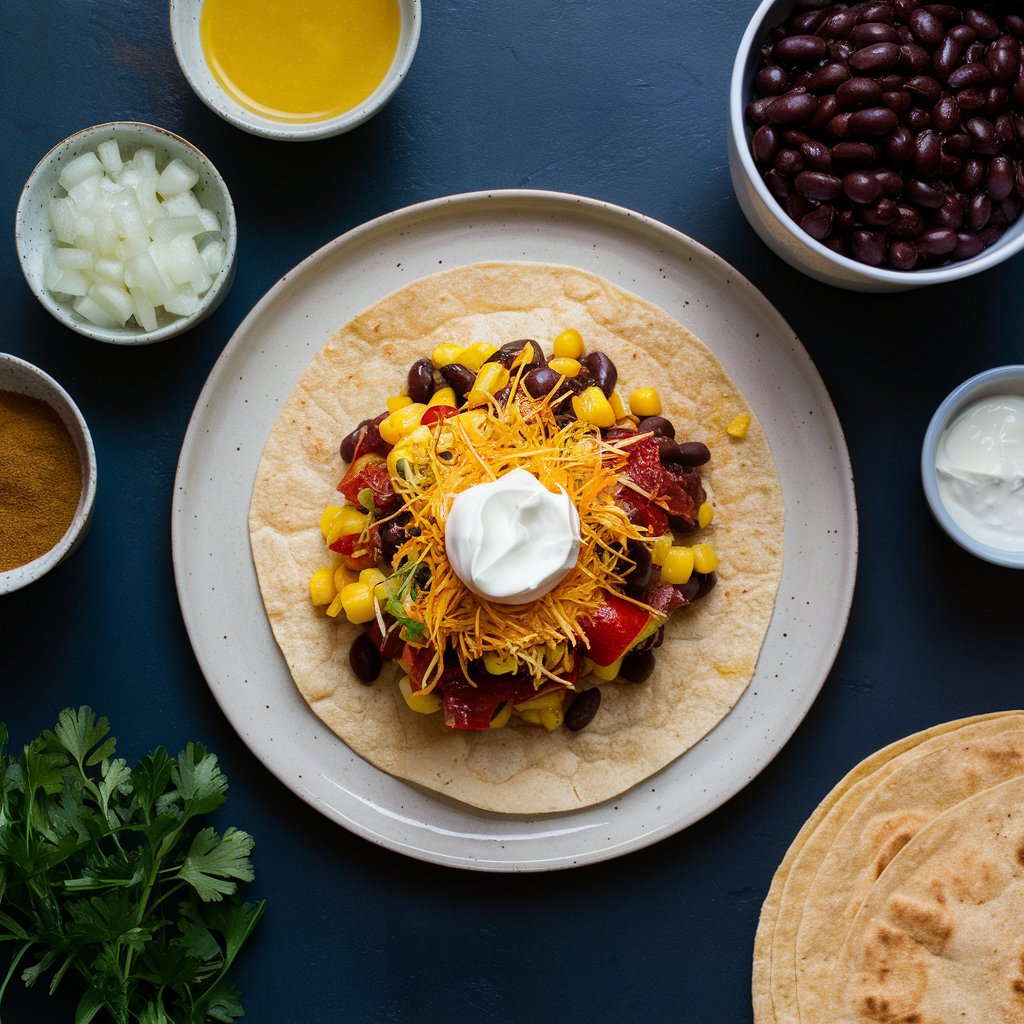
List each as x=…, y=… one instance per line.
x=928, y=150
x=868, y=247
x=873, y=32
x=982, y=23
x=839, y=25
x=582, y=708
x=899, y=147
x=791, y=108
x=797, y=206
x=640, y=572
x=875, y=12
x=968, y=244
x=969, y=76
x=825, y=78
x=818, y=222
x=926, y=27
x=637, y=666
x=913, y=59
x=854, y=154
x=1003, y=62
x=693, y=453
x=602, y=369
x=997, y=100
x=999, y=182
x=856, y=93
x=764, y=144
x=420, y=380
x=819, y=186
x=873, y=121
x=902, y=256
x=946, y=114
x=924, y=195
x=347, y=449
x=898, y=101
x=983, y=135
x=979, y=210
x=970, y=99
x=771, y=80
x=971, y=175
x=880, y=214
x=365, y=659
x=799, y=49
x=891, y=182
x=461, y=377
x=936, y=242
x=909, y=223
x=658, y=425
x=817, y=156
x=861, y=187
x=876, y=57
x=924, y=90
x=789, y=161
x=540, y=381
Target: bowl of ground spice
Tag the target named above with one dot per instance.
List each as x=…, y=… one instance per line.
x=47, y=473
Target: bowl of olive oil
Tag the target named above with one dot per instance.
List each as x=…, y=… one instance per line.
x=306, y=69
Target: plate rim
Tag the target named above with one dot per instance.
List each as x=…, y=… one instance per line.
x=569, y=205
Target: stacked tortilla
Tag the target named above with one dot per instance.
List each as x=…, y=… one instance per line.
x=901, y=900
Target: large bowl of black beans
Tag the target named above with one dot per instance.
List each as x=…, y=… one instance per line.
x=879, y=146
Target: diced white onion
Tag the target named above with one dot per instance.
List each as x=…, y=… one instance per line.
x=125, y=239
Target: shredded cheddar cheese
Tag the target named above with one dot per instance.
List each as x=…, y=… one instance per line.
x=476, y=447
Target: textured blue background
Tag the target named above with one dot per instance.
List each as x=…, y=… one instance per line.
x=624, y=102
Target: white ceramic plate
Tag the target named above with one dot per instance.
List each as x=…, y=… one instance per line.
x=217, y=584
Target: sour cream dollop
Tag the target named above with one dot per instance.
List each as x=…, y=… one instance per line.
x=980, y=469
x=512, y=540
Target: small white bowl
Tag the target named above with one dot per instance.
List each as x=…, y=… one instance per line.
x=1003, y=380
x=34, y=236
x=25, y=379
x=189, y=51
x=782, y=234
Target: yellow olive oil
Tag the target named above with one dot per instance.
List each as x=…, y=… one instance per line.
x=299, y=60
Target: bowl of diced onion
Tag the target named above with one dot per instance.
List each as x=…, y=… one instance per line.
x=126, y=233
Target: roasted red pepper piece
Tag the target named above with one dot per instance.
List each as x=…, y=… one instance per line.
x=369, y=552
x=368, y=471
x=437, y=413
x=612, y=629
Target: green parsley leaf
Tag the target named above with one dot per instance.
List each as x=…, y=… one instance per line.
x=93, y=855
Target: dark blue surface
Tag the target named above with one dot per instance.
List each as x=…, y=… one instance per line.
x=622, y=102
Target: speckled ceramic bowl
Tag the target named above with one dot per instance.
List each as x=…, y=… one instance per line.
x=1003, y=380
x=25, y=379
x=189, y=51
x=34, y=235
x=781, y=233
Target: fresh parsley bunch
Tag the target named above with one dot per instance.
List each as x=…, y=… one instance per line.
x=106, y=874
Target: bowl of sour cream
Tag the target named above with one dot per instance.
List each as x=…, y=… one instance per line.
x=972, y=465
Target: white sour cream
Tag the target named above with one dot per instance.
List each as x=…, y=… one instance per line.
x=980, y=470
x=512, y=540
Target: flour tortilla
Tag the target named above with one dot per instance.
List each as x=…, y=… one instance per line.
x=710, y=651
x=940, y=936
x=774, y=982
x=850, y=837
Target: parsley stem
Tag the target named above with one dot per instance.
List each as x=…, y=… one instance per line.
x=14, y=966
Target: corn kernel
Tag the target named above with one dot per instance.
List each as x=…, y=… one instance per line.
x=357, y=600
x=489, y=381
x=504, y=713
x=334, y=608
x=738, y=427
x=474, y=422
x=545, y=710
x=527, y=354
x=420, y=702
x=474, y=356
x=569, y=344
x=402, y=422
x=396, y=402
x=444, y=355
x=565, y=366
x=592, y=407
x=618, y=407
x=661, y=548
x=608, y=672
x=705, y=514
x=371, y=577
x=347, y=520
x=321, y=587
x=678, y=565
x=501, y=664
x=443, y=396
x=327, y=518
x=704, y=558
x=645, y=402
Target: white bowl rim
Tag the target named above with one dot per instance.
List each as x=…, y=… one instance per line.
x=22, y=575
x=183, y=323
x=989, y=257
x=282, y=131
x=949, y=407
